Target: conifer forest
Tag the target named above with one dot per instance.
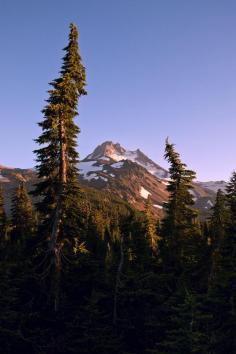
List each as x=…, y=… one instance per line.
x=83, y=272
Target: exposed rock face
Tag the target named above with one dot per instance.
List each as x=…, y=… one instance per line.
x=107, y=149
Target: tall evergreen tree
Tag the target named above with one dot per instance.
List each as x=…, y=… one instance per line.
x=151, y=226
x=2, y=216
x=222, y=288
x=23, y=217
x=231, y=199
x=180, y=225
x=180, y=251
x=58, y=188
x=218, y=227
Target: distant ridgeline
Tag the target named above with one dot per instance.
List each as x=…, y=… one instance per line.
x=130, y=175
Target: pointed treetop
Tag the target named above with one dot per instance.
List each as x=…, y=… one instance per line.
x=73, y=27
x=72, y=67
x=173, y=156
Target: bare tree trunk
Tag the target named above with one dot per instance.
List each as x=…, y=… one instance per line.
x=117, y=285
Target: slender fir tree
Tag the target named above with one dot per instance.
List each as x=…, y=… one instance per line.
x=23, y=217
x=2, y=216
x=231, y=200
x=181, y=254
x=180, y=223
x=222, y=288
x=57, y=160
x=219, y=220
x=151, y=226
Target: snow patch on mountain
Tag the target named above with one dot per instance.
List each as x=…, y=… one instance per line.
x=91, y=176
x=86, y=167
x=165, y=181
x=158, y=206
x=103, y=178
x=134, y=156
x=118, y=164
x=105, y=158
x=209, y=202
x=3, y=179
x=144, y=193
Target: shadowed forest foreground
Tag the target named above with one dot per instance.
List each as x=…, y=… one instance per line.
x=84, y=272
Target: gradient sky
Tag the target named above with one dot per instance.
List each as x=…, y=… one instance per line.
x=155, y=68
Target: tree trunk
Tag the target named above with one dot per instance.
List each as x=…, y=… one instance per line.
x=55, y=247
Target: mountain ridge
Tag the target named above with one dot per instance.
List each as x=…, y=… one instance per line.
x=129, y=175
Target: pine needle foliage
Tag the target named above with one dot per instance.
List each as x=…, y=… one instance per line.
x=57, y=161
x=23, y=218
x=3, y=218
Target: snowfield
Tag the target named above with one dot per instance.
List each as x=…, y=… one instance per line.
x=144, y=193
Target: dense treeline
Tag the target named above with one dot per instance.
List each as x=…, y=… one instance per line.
x=82, y=272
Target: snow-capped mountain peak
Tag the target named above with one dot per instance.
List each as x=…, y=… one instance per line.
x=115, y=152
x=128, y=174
x=107, y=149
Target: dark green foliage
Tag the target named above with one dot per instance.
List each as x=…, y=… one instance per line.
x=58, y=158
x=58, y=188
x=9, y=317
x=180, y=214
x=23, y=217
x=3, y=219
x=182, y=255
x=218, y=224
x=151, y=227
x=120, y=292
x=181, y=229
x=219, y=219
x=231, y=197
x=222, y=280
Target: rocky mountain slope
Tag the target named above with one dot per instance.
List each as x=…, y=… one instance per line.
x=133, y=176
x=130, y=175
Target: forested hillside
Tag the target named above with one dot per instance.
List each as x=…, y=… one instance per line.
x=83, y=272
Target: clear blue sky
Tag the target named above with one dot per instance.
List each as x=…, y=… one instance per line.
x=155, y=68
